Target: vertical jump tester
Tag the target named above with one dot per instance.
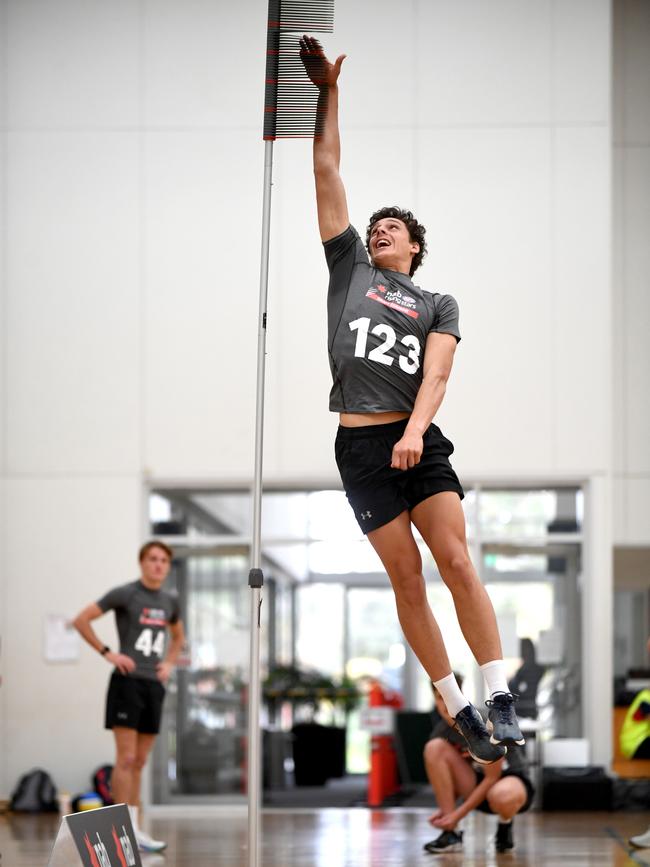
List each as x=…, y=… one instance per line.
x=291, y=110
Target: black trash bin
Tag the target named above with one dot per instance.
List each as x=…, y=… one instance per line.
x=318, y=753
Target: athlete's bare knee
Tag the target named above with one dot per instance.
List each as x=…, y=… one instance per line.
x=126, y=761
x=505, y=802
x=457, y=571
x=410, y=589
x=139, y=762
x=436, y=750
x=506, y=807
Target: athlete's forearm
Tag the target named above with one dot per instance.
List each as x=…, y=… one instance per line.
x=427, y=403
x=475, y=797
x=327, y=146
x=173, y=652
x=88, y=634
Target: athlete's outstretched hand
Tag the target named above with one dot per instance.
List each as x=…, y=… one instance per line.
x=318, y=68
x=407, y=451
x=123, y=663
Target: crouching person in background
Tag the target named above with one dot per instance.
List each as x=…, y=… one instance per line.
x=460, y=785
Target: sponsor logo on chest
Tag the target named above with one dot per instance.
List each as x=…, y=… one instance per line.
x=153, y=617
x=394, y=298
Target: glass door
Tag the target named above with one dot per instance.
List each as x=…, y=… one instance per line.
x=374, y=648
x=202, y=748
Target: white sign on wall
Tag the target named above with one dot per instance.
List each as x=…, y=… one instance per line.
x=377, y=720
x=61, y=640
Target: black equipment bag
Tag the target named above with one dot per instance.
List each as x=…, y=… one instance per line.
x=587, y=788
x=35, y=793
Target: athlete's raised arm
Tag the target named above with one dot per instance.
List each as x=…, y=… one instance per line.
x=330, y=192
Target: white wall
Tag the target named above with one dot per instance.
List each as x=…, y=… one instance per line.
x=632, y=271
x=131, y=194
x=68, y=540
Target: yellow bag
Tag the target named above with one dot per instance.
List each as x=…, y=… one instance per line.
x=635, y=731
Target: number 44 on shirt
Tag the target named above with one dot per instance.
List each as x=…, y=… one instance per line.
x=147, y=645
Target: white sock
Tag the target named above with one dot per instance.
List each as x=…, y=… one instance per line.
x=451, y=694
x=495, y=676
x=133, y=813
x=505, y=821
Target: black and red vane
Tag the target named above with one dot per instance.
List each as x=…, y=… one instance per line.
x=290, y=97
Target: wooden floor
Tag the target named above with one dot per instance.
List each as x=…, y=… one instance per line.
x=356, y=838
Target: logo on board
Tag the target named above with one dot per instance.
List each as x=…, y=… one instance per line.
x=98, y=852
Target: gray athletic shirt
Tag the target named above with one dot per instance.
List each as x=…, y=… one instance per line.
x=378, y=322
x=142, y=617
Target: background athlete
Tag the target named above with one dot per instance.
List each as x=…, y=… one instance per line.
x=144, y=614
x=391, y=349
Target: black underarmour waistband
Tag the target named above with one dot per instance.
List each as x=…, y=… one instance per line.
x=372, y=430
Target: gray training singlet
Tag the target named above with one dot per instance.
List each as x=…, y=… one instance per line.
x=142, y=617
x=378, y=322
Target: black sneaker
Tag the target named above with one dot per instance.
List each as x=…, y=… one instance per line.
x=469, y=723
x=503, y=839
x=448, y=841
x=502, y=719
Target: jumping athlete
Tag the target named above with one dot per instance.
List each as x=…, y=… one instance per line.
x=143, y=613
x=391, y=348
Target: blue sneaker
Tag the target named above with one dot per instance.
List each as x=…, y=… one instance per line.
x=469, y=723
x=502, y=719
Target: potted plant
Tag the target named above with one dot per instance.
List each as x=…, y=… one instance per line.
x=318, y=750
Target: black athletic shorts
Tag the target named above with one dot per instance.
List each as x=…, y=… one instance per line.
x=484, y=806
x=135, y=703
x=378, y=493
